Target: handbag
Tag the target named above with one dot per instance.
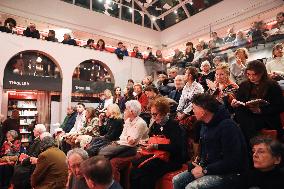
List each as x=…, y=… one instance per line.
x=160, y=154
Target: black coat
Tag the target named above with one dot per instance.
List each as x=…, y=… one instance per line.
x=264, y=180
x=34, y=34
x=70, y=42
x=172, y=131
x=269, y=117
x=223, y=147
x=112, y=130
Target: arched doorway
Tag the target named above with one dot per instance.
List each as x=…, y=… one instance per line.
x=90, y=78
x=33, y=83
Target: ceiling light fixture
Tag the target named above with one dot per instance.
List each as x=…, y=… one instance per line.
x=175, y=11
x=130, y=10
x=154, y=18
x=108, y=2
x=100, y=1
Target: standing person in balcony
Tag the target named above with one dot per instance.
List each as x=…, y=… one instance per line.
x=161, y=63
x=31, y=31
x=9, y=25
x=136, y=53
x=120, y=51
x=150, y=62
x=67, y=40
x=90, y=44
x=100, y=45
x=237, y=68
x=51, y=36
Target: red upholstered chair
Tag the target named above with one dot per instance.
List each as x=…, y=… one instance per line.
x=269, y=133
x=121, y=167
x=166, y=181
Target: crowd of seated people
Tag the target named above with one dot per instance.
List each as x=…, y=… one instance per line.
x=223, y=109
x=224, y=121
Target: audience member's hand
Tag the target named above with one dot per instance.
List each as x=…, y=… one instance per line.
x=180, y=116
x=33, y=160
x=211, y=85
x=197, y=171
x=130, y=140
x=235, y=103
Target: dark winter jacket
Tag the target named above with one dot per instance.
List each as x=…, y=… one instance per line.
x=223, y=147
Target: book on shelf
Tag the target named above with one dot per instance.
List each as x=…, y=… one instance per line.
x=254, y=103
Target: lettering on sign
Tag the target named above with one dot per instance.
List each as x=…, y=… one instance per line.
x=19, y=83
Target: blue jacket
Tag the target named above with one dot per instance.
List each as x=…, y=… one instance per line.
x=223, y=147
x=118, y=51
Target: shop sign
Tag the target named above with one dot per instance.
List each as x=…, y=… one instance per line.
x=79, y=86
x=27, y=82
x=22, y=95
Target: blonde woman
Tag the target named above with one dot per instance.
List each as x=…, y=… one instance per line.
x=111, y=125
x=223, y=87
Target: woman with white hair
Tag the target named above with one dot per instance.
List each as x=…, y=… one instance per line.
x=11, y=146
x=111, y=125
x=135, y=129
x=9, y=154
x=205, y=74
